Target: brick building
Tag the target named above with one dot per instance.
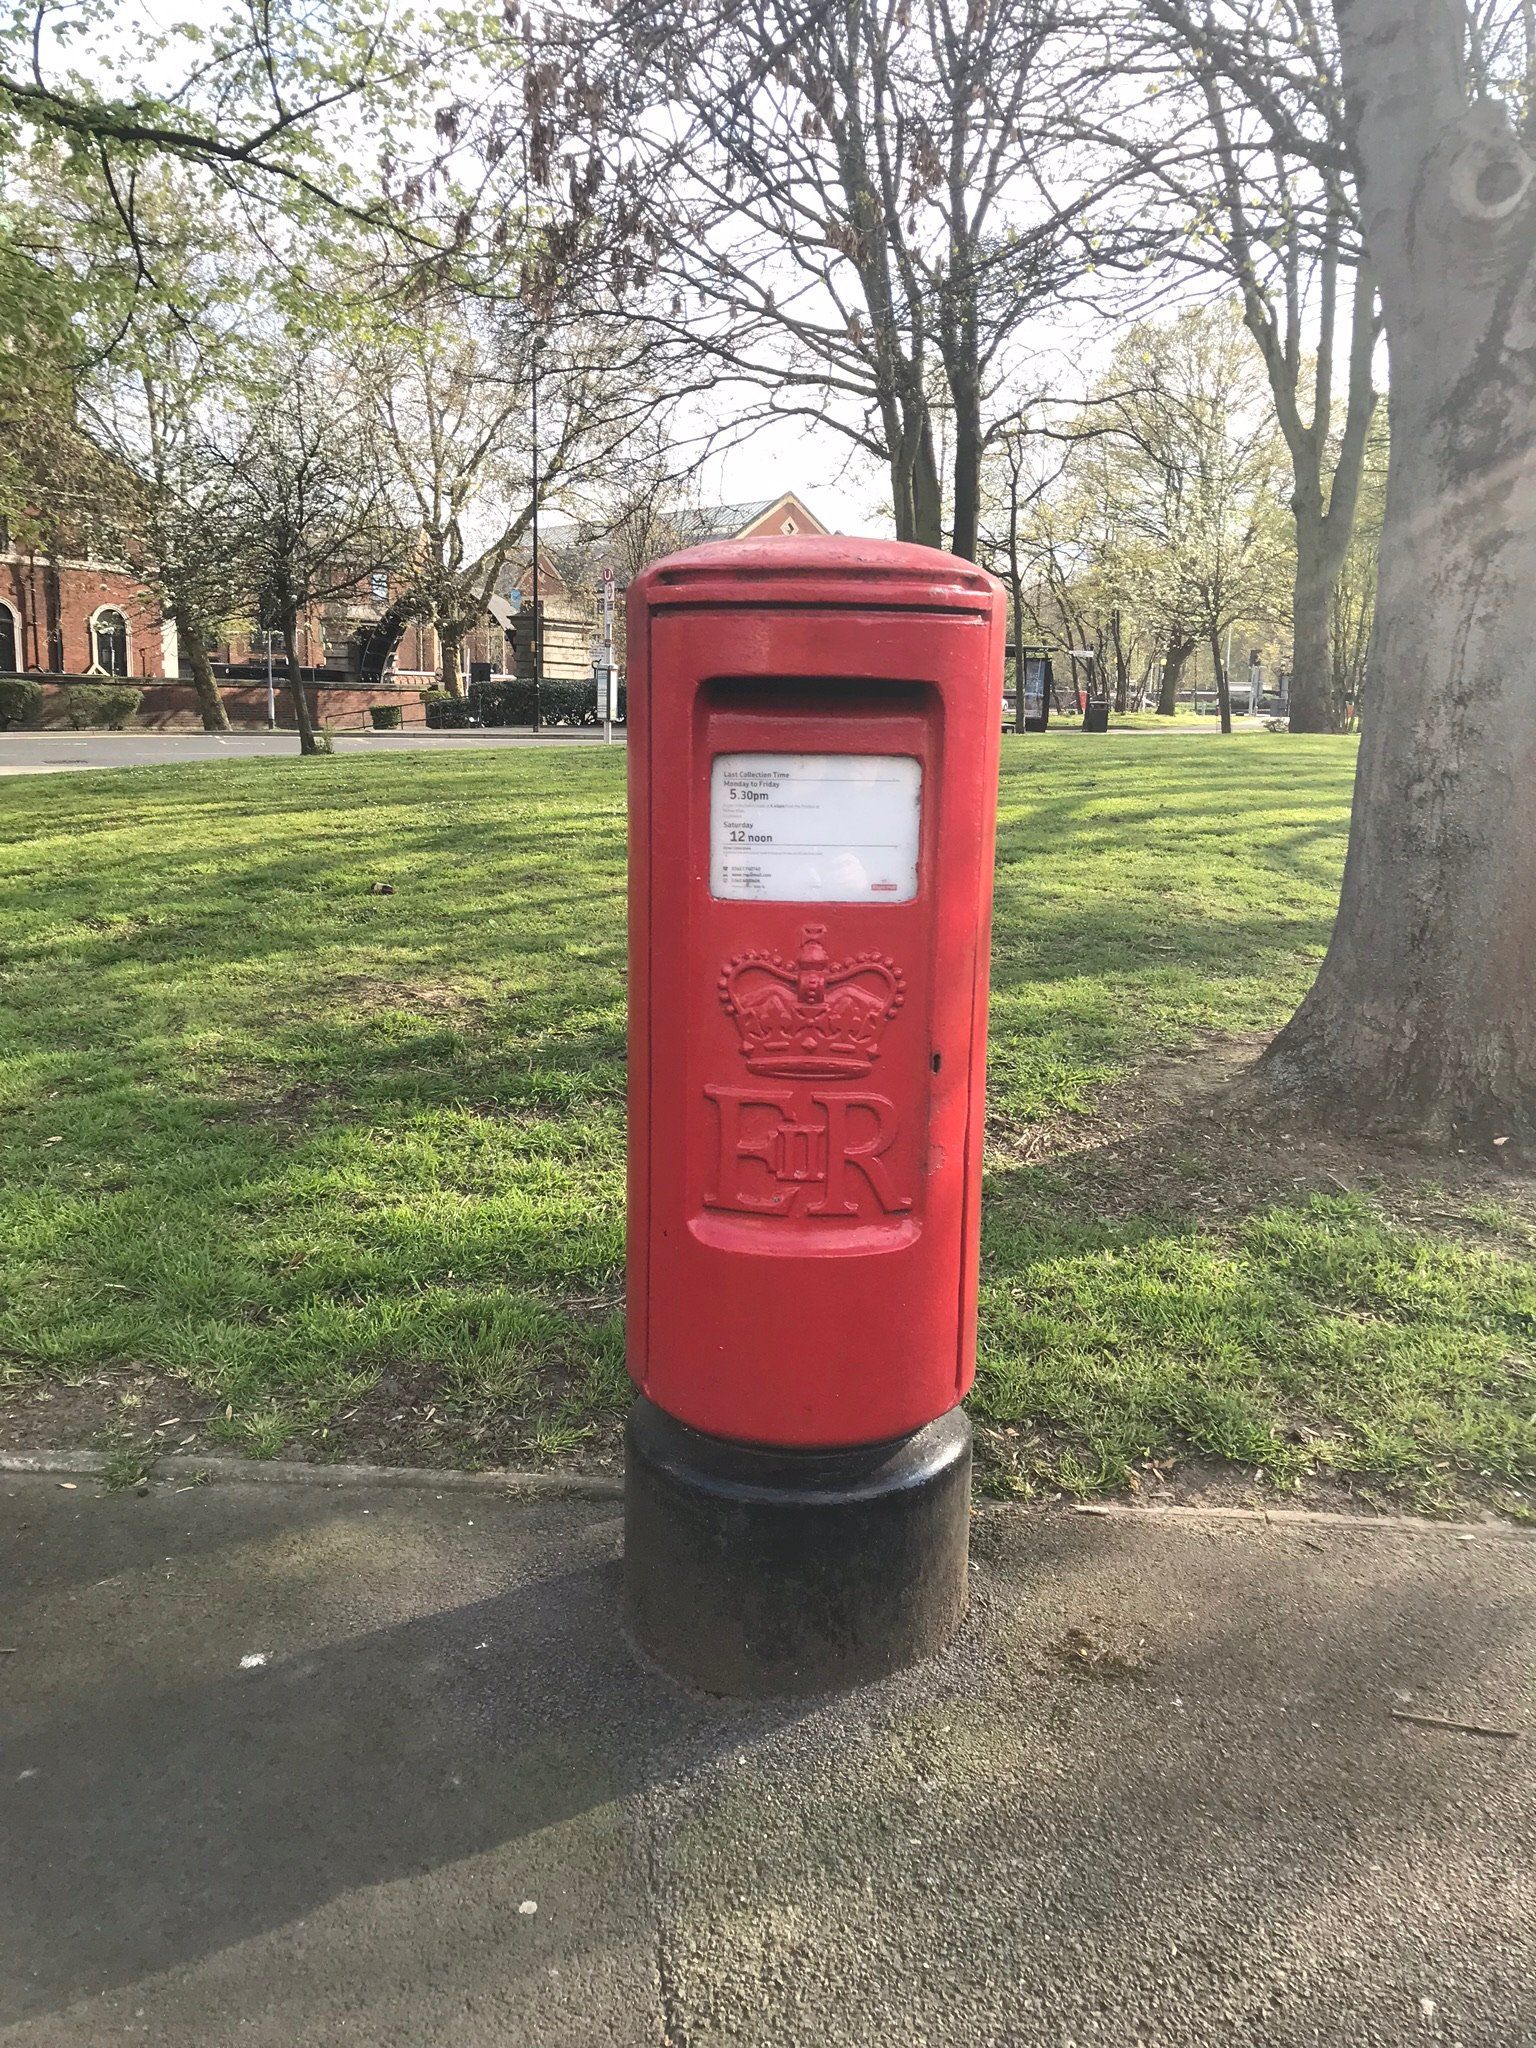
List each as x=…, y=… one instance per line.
x=70, y=617
x=574, y=556
x=760, y=519
x=571, y=562
x=65, y=617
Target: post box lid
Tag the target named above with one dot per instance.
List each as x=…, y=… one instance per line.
x=821, y=569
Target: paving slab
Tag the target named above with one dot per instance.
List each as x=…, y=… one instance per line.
x=285, y=1764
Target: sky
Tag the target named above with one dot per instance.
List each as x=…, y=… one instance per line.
x=846, y=496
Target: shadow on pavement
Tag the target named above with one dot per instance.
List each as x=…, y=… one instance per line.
x=154, y=1823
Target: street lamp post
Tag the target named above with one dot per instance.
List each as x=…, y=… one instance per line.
x=538, y=623
x=271, y=691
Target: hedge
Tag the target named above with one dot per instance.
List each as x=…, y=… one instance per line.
x=510, y=701
x=108, y=704
x=20, y=702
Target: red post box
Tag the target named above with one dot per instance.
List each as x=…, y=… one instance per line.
x=813, y=755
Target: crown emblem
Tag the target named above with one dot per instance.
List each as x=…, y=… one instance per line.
x=811, y=1017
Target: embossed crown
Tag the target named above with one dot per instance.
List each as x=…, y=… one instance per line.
x=809, y=1017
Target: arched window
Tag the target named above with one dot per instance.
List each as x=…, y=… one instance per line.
x=109, y=642
x=9, y=665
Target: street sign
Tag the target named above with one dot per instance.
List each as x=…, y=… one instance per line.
x=607, y=675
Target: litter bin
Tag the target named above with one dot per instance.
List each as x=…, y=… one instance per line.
x=1096, y=715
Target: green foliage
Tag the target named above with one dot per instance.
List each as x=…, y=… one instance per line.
x=102, y=704
x=280, y=1137
x=1168, y=521
x=513, y=701
x=21, y=700
x=445, y=712
x=385, y=717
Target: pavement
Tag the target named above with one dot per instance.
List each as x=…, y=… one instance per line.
x=371, y=1763
x=53, y=753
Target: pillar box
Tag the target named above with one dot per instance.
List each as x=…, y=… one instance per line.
x=813, y=756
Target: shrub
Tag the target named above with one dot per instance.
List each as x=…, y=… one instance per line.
x=20, y=701
x=446, y=712
x=507, y=701
x=568, y=703
x=108, y=704
x=510, y=701
x=386, y=716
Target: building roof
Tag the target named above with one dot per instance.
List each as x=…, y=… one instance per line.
x=726, y=521
x=574, y=551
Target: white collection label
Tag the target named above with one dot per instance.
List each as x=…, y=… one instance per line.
x=815, y=828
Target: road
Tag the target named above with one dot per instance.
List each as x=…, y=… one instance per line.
x=288, y=1766
x=52, y=753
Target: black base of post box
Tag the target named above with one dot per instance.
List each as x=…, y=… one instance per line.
x=759, y=1572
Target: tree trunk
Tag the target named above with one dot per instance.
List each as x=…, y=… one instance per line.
x=1122, y=667
x=308, y=744
x=927, y=491
x=917, y=496
x=1223, y=687
x=967, y=477
x=1174, y=663
x=209, y=702
x=450, y=643
x=1422, y=1019
x=1016, y=601
x=1318, y=565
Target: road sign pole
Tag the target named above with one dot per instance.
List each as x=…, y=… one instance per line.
x=607, y=656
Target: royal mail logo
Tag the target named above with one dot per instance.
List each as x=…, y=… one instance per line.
x=809, y=1152
x=811, y=1018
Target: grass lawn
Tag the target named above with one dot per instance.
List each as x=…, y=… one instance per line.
x=1183, y=720
x=288, y=1164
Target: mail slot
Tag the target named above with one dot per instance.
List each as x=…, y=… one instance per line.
x=813, y=755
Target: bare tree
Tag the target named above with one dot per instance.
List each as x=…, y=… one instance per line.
x=1014, y=482
x=645, y=504
x=1354, y=596
x=1245, y=140
x=857, y=208
x=170, y=514
x=1421, y=1017
x=452, y=381
x=150, y=402
x=307, y=508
